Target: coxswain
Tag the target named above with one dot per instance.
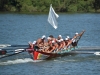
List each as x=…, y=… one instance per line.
x=74, y=42
x=70, y=41
x=78, y=36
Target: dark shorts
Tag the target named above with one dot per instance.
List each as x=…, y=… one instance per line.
x=74, y=43
x=36, y=47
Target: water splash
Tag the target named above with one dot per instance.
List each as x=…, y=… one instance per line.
x=17, y=61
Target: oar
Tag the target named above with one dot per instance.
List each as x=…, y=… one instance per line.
x=17, y=51
x=88, y=48
x=8, y=45
x=3, y=52
x=12, y=49
x=12, y=54
x=78, y=52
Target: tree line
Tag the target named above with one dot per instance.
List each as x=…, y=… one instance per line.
x=43, y=5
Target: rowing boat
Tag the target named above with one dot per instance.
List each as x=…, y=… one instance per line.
x=38, y=55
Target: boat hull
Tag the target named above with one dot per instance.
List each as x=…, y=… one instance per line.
x=39, y=55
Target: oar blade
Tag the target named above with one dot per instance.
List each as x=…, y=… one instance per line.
x=97, y=53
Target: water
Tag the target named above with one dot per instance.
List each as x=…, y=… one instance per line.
x=21, y=28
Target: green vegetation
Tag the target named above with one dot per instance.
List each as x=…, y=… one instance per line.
x=43, y=5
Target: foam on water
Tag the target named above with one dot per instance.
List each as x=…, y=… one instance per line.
x=17, y=61
x=69, y=60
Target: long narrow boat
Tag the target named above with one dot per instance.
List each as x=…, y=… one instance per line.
x=39, y=55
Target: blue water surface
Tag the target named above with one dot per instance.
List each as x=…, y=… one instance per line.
x=19, y=29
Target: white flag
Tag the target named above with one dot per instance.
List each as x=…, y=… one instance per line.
x=52, y=17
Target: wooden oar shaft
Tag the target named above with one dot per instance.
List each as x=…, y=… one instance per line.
x=95, y=48
x=16, y=52
x=78, y=52
x=11, y=54
x=8, y=45
x=3, y=52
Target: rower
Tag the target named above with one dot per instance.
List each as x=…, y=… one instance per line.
x=48, y=43
x=52, y=47
x=55, y=44
x=59, y=37
x=66, y=42
x=32, y=45
x=68, y=37
x=63, y=44
x=59, y=45
x=41, y=41
x=70, y=41
x=52, y=38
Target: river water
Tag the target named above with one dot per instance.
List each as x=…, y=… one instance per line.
x=18, y=29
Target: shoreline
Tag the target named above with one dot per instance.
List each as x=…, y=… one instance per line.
x=11, y=12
